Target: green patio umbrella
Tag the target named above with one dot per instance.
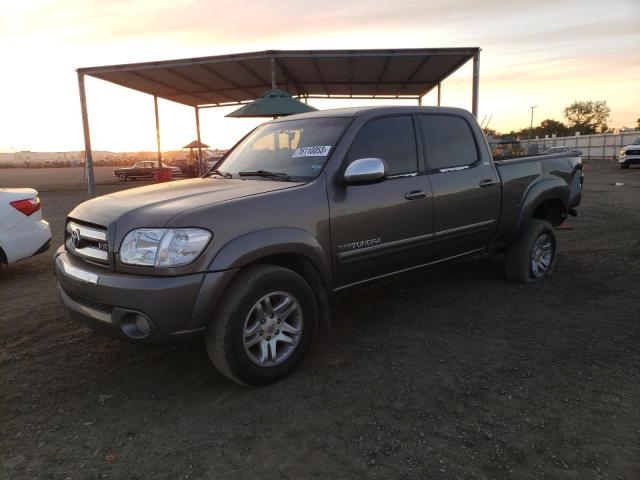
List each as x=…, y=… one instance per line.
x=196, y=144
x=274, y=103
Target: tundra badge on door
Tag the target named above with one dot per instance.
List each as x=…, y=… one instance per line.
x=359, y=244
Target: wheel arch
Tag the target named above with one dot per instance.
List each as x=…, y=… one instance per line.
x=289, y=247
x=545, y=200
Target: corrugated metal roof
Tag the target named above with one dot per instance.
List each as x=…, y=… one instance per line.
x=241, y=78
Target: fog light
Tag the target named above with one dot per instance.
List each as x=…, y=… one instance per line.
x=136, y=326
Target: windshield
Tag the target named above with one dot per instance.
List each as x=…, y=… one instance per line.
x=297, y=148
x=636, y=141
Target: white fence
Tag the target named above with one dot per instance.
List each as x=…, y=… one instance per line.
x=603, y=145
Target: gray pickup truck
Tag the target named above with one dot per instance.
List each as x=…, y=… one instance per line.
x=250, y=255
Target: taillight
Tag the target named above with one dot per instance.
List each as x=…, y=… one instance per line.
x=27, y=206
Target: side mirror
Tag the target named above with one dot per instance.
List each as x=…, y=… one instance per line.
x=365, y=170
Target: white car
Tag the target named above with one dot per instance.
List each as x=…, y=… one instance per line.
x=630, y=154
x=552, y=150
x=23, y=232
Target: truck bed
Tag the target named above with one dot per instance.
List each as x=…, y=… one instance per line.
x=523, y=177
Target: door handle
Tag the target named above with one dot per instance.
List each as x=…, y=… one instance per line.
x=414, y=195
x=487, y=182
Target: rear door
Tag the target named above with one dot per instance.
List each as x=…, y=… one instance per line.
x=382, y=227
x=148, y=169
x=466, y=186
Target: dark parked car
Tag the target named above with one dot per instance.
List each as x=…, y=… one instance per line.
x=299, y=210
x=144, y=169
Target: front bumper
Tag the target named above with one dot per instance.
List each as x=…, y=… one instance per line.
x=629, y=160
x=173, y=307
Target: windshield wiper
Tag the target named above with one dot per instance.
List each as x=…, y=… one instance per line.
x=265, y=173
x=222, y=174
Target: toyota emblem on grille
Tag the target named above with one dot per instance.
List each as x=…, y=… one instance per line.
x=75, y=237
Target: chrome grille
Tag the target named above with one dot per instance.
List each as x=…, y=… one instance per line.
x=87, y=242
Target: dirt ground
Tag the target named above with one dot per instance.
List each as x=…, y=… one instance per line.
x=454, y=374
x=55, y=179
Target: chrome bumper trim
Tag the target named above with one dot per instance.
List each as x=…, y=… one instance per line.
x=79, y=274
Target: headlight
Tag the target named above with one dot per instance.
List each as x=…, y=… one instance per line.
x=622, y=152
x=163, y=247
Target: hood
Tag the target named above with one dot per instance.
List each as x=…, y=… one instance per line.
x=155, y=205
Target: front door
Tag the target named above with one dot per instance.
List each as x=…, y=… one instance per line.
x=383, y=227
x=466, y=186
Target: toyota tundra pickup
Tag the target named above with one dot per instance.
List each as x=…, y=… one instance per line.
x=250, y=255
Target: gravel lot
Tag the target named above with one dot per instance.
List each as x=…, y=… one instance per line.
x=448, y=374
x=54, y=179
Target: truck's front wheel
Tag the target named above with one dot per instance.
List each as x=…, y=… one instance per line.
x=531, y=257
x=264, y=327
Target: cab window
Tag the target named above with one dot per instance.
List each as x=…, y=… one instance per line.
x=448, y=141
x=391, y=139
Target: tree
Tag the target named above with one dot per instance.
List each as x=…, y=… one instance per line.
x=547, y=127
x=552, y=127
x=638, y=125
x=491, y=132
x=587, y=116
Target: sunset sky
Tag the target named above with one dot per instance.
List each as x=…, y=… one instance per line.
x=545, y=53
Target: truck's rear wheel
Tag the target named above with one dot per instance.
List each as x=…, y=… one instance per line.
x=531, y=257
x=264, y=327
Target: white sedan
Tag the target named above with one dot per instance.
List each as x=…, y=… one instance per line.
x=23, y=232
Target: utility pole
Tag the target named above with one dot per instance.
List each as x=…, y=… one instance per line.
x=531, y=125
x=530, y=130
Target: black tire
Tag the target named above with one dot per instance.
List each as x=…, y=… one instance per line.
x=224, y=337
x=518, y=258
x=624, y=165
x=122, y=177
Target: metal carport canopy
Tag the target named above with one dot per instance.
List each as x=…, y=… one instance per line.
x=237, y=79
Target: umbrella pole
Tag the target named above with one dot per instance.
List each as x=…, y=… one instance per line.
x=273, y=73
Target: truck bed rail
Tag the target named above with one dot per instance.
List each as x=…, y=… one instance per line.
x=515, y=160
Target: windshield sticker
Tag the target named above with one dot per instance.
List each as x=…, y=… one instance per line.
x=316, y=151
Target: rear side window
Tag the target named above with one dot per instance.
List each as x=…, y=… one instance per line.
x=448, y=141
x=392, y=139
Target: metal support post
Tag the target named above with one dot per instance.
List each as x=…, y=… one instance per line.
x=199, y=142
x=439, y=90
x=155, y=105
x=88, y=154
x=476, y=84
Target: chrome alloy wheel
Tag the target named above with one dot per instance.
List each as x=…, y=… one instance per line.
x=541, y=255
x=272, y=329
